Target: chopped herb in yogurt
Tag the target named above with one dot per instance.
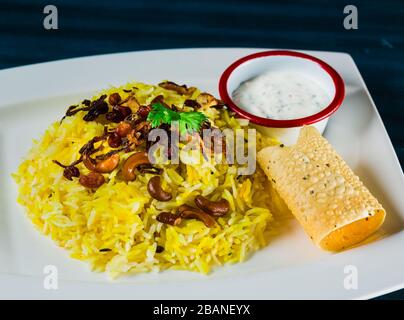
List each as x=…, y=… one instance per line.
x=281, y=95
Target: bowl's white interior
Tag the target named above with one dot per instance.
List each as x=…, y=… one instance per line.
x=258, y=66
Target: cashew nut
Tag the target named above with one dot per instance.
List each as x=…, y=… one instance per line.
x=169, y=218
x=188, y=212
x=155, y=190
x=130, y=165
x=215, y=208
x=101, y=166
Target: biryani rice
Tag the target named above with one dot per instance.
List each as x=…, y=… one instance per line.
x=115, y=229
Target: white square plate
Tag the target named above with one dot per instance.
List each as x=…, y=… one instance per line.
x=290, y=267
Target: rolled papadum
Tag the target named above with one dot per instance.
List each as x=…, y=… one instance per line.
x=334, y=207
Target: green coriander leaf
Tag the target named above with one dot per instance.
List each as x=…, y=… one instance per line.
x=191, y=121
x=159, y=114
x=188, y=121
x=182, y=127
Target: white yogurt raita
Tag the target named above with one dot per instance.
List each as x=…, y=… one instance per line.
x=281, y=95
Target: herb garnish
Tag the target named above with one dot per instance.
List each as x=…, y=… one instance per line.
x=188, y=122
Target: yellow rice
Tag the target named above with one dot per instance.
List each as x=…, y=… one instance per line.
x=121, y=216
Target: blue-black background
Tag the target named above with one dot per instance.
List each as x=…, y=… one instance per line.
x=95, y=27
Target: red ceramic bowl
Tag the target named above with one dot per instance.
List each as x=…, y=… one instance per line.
x=255, y=64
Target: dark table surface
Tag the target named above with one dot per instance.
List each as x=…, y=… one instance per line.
x=96, y=27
